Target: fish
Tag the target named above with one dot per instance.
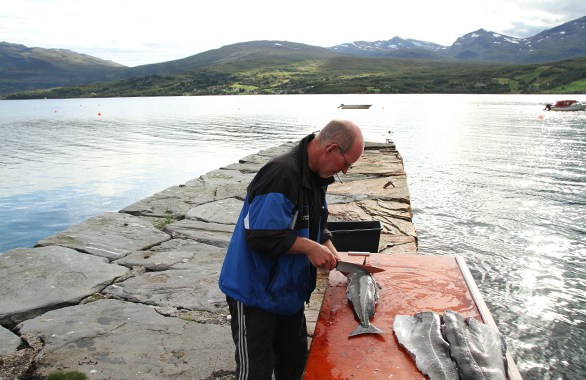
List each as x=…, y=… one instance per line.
x=422, y=338
x=362, y=291
x=478, y=349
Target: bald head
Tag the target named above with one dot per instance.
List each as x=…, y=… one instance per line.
x=342, y=132
x=337, y=146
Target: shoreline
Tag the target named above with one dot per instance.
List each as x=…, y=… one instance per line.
x=115, y=296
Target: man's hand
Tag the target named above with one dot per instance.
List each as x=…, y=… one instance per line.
x=319, y=255
x=322, y=257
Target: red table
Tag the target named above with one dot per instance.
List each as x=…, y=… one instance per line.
x=410, y=284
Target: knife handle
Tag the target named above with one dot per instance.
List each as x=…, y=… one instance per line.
x=358, y=253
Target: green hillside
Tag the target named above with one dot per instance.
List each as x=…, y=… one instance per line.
x=24, y=68
x=262, y=71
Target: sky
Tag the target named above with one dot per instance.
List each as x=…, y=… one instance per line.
x=138, y=32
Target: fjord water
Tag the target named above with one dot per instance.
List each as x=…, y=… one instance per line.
x=492, y=178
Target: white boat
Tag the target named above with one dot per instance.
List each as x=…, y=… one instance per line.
x=354, y=106
x=566, y=105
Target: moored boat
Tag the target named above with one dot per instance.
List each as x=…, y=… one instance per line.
x=354, y=106
x=566, y=105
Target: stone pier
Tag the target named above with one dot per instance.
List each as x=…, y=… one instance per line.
x=134, y=295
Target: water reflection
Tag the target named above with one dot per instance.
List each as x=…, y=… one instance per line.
x=492, y=178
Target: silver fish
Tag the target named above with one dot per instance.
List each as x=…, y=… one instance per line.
x=362, y=291
x=478, y=349
x=421, y=336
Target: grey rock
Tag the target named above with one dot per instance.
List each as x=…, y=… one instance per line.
x=174, y=254
x=191, y=289
x=111, y=339
x=175, y=201
x=221, y=177
x=345, y=198
x=263, y=156
x=220, y=184
x=35, y=280
x=215, y=234
x=224, y=211
x=10, y=342
x=111, y=235
x=171, y=202
x=246, y=167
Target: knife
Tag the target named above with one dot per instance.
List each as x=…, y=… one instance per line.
x=346, y=267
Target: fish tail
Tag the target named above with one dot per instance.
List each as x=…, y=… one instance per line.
x=370, y=329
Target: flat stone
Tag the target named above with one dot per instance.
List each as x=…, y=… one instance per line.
x=263, y=156
x=224, y=211
x=221, y=184
x=174, y=254
x=246, y=167
x=171, y=202
x=387, y=188
x=377, y=163
x=215, y=234
x=175, y=201
x=389, y=145
x=111, y=339
x=111, y=235
x=397, y=244
x=190, y=289
x=35, y=280
x=10, y=342
x=220, y=177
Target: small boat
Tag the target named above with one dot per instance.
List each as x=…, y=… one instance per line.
x=354, y=106
x=565, y=105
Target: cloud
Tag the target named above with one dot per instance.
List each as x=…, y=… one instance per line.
x=134, y=32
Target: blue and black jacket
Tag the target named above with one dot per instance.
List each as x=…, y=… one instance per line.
x=284, y=200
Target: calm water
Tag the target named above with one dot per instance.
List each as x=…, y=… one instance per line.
x=492, y=178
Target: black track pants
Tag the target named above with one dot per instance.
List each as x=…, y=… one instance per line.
x=267, y=342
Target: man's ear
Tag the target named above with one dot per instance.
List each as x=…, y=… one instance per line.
x=330, y=148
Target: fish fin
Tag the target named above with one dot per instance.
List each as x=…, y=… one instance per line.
x=371, y=329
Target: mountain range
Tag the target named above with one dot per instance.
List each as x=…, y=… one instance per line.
x=561, y=42
x=23, y=68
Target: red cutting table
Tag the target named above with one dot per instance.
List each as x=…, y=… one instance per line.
x=410, y=284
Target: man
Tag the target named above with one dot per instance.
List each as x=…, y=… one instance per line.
x=279, y=240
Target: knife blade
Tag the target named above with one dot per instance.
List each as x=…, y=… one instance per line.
x=346, y=267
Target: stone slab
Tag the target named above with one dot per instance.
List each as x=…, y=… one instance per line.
x=397, y=244
x=171, y=202
x=10, y=342
x=35, y=280
x=224, y=211
x=111, y=235
x=174, y=254
x=388, y=188
x=111, y=339
x=263, y=156
x=175, y=201
x=378, y=163
x=189, y=289
x=215, y=234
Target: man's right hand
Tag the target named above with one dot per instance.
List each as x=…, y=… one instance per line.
x=319, y=255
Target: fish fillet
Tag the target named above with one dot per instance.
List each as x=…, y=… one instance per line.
x=478, y=349
x=421, y=336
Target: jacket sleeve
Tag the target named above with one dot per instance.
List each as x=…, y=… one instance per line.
x=272, y=196
x=267, y=224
